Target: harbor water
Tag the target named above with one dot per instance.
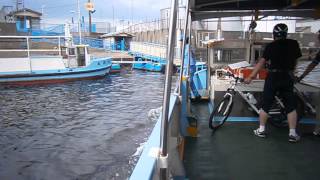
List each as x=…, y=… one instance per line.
x=77, y=130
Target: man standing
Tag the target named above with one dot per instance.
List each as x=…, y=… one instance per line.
x=281, y=55
x=310, y=67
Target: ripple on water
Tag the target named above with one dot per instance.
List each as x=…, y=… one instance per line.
x=77, y=130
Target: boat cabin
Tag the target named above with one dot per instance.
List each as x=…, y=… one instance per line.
x=78, y=55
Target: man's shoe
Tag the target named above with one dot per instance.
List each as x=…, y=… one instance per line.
x=262, y=134
x=293, y=138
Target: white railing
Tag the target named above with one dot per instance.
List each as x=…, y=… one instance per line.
x=27, y=40
x=28, y=49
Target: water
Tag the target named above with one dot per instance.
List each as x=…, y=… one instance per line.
x=77, y=130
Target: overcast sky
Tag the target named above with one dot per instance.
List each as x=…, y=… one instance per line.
x=123, y=9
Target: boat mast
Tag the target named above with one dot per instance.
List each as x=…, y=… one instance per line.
x=79, y=21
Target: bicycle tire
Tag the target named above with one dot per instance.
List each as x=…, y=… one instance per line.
x=220, y=113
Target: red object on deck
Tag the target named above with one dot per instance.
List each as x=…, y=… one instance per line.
x=246, y=71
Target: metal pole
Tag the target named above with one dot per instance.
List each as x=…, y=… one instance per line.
x=167, y=90
x=89, y=18
x=79, y=22
x=28, y=52
x=59, y=46
x=189, y=50
x=183, y=46
x=208, y=69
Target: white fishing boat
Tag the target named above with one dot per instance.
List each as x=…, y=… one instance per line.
x=64, y=62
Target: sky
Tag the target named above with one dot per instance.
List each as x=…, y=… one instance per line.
x=138, y=10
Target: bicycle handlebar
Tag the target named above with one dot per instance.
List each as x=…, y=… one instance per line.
x=233, y=76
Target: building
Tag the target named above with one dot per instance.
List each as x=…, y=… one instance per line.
x=117, y=41
x=26, y=19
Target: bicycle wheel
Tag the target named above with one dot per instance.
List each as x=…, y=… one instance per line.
x=220, y=113
x=278, y=120
x=277, y=115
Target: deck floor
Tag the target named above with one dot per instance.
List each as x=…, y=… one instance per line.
x=234, y=153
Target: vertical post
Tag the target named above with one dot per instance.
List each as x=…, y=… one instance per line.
x=208, y=69
x=28, y=52
x=167, y=90
x=79, y=22
x=89, y=18
x=189, y=50
x=113, y=18
x=59, y=45
x=183, y=45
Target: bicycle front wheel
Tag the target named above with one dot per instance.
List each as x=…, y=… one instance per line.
x=220, y=113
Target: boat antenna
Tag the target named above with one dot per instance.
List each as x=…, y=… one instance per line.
x=79, y=22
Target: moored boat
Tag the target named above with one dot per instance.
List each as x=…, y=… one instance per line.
x=69, y=63
x=115, y=68
x=149, y=63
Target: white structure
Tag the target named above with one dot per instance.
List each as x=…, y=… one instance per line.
x=312, y=26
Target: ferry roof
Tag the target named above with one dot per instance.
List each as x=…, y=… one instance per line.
x=205, y=9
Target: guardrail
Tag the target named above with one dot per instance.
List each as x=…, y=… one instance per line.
x=92, y=42
x=153, y=49
x=30, y=38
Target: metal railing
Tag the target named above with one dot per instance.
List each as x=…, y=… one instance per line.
x=158, y=24
x=92, y=42
x=28, y=48
x=153, y=49
x=26, y=45
x=163, y=159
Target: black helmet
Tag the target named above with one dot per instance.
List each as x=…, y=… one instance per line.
x=280, y=31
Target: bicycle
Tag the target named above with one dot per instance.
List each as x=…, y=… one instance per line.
x=277, y=115
x=223, y=109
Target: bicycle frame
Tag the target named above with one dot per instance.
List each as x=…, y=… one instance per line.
x=304, y=100
x=230, y=102
x=235, y=89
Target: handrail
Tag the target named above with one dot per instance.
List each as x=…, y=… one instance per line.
x=35, y=37
x=28, y=50
x=183, y=46
x=167, y=91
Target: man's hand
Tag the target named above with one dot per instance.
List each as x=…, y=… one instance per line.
x=297, y=79
x=248, y=80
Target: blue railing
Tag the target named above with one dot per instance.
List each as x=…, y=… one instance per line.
x=92, y=42
x=115, y=46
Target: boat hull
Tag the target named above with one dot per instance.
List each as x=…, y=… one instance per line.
x=115, y=68
x=97, y=69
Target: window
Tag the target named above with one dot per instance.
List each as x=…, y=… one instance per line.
x=71, y=51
